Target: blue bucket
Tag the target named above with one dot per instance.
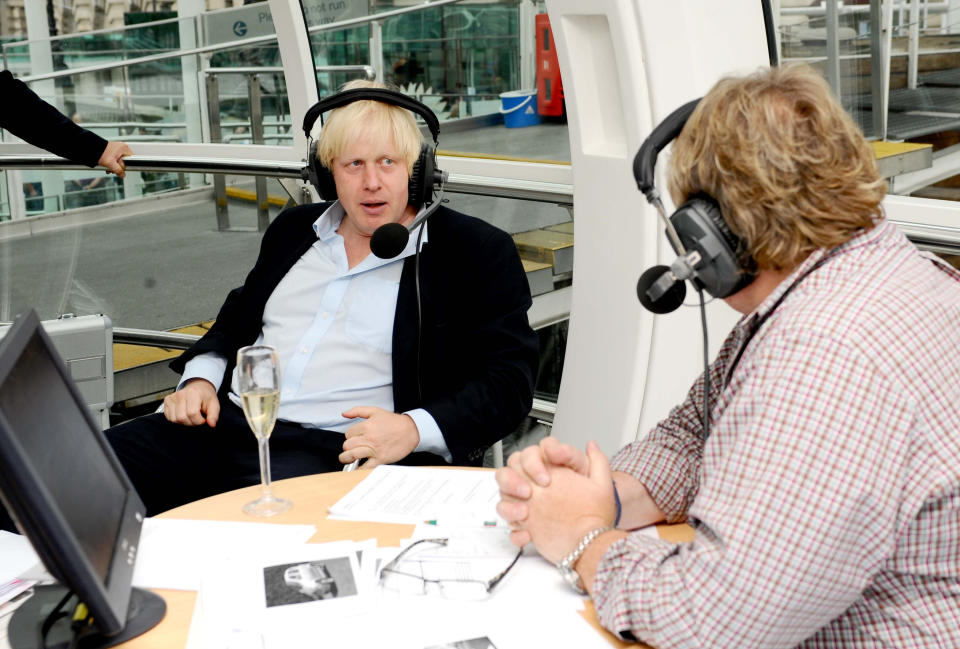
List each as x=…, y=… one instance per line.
x=519, y=108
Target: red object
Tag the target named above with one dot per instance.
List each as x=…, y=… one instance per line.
x=549, y=86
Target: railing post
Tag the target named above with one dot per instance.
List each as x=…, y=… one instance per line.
x=18, y=203
x=913, y=53
x=528, y=43
x=219, y=181
x=256, y=133
x=376, y=48
x=876, y=70
x=833, y=48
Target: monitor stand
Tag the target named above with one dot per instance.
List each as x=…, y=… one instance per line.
x=145, y=611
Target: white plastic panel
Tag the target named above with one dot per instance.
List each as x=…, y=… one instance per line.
x=600, y=118
x=624, y=65
x=932, y=213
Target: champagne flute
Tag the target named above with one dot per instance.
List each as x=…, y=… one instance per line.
x=259, y=387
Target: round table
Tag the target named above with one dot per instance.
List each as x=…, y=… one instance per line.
x=311, y=496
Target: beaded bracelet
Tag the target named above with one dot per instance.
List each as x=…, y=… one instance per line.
x=616, y=497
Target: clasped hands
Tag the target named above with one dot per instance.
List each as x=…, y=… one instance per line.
x=379, y=437
x=552, y=495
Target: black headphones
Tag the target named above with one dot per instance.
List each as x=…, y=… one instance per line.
x=425, y=174
x=710, y=254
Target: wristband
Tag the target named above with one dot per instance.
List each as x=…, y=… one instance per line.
x=616, y=498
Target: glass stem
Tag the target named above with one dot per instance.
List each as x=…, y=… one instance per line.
x=263, y=443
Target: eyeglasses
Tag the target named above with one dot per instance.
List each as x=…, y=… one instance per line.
x=408, y=582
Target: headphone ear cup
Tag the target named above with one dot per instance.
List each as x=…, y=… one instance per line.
x=326, y=187
x=712, y=210
x=700, y=225
x=320, y=177
x=420, y=187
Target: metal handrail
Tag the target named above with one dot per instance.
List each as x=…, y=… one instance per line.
x=360, y=67
x=819, y=9
x=246, y=42
x=380, y=16
x=153, y=338
x=530, y=190
x=89, y=125
x=92, y=32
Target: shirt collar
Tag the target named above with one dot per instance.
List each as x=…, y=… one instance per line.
x=326, y=226
x=763, y=309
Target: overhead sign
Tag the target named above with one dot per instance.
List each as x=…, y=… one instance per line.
x=256, y=20
x=324, y=12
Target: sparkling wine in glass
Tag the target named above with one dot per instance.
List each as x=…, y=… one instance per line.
x=259, y=387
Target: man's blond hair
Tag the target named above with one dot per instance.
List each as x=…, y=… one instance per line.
x=369, y=119
x=790, y=169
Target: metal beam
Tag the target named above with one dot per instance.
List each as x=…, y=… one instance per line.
x=246, y=42
x=946, y=163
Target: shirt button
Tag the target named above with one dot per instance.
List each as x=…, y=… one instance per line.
x=326, y=315
x=303, y=350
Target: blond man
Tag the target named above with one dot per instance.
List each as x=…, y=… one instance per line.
x=826, y=500
x=381, y=362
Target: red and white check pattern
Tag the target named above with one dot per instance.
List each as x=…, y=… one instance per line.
x=826, y=501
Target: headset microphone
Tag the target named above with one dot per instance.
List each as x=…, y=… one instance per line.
x=425, y=174
x=390, y=239
x=709, y=253
x=661, y=289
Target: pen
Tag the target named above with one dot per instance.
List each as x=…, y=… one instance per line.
x=353, y=465
x=434, y=521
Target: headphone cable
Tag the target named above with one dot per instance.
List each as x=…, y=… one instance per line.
x=416, y=273
x=706, y=366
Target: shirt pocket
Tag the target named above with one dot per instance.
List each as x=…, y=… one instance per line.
x=371, y=313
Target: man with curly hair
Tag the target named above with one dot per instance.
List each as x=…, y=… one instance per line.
x=825, y=501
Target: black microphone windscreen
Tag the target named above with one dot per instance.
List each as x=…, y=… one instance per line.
x=669, y=301
x=389, y=240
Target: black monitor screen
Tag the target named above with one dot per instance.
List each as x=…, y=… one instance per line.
x=56, y=439
x=61, y=481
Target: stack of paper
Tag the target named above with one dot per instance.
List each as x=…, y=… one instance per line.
x=249, y=600
x=407, y=494
x=302, y=596
x=173, y=552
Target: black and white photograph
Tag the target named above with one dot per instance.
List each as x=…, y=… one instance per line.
x=473, y=643
x=308, y=581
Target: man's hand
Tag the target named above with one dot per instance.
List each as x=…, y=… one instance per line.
x=573, y=504
x=529, y=467
x=112, y=158
x=194, y=404
x=381, y=437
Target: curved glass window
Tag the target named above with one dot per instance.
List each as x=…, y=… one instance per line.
x=896, y=69
x=457, y=58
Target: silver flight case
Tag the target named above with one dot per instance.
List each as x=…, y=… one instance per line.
x=86, y=345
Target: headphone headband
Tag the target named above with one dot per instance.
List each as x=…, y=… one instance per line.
x=710, y=254
x=383, y=95
x=646, y=158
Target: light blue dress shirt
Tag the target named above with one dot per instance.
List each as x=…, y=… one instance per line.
x=332, y=327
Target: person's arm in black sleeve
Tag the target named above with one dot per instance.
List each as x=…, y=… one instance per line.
x=33, y=120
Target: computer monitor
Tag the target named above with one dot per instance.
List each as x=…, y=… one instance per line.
x=64, y=487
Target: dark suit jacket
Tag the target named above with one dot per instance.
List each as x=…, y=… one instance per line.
x=30, y=118
x=476, y=352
